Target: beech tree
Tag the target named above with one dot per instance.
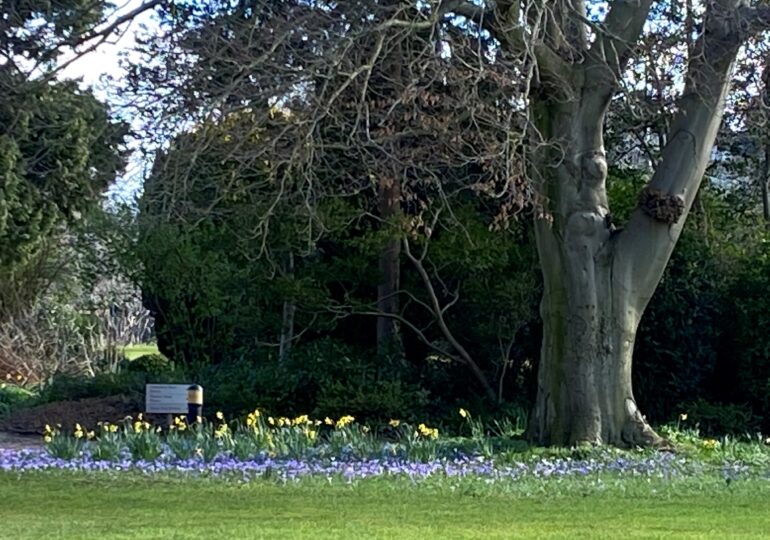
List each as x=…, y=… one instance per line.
x=543, y=74
x=598, y=280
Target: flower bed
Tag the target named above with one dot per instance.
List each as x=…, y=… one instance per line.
x=286, y=449
x=654, y=465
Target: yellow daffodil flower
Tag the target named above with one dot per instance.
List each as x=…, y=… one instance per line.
x=711, y=444
x=463, y=413
x=394, y=423
x=344, y=421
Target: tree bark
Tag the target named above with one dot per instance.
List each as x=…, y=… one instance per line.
x=287, y=320
x=598, y=280
x=589, y=310
x=388, y=332
x=764, y=181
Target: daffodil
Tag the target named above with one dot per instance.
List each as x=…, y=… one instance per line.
x=394, y=423
x=47, y=438
x=683, y=417
x=220, y=416
x=711, y=444
x=428, y=433
x=344, y=421
x=463, y=413
x=328, y=421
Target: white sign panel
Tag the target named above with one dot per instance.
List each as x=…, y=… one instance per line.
x=166, y=398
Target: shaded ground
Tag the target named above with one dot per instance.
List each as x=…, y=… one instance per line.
x=15, y=441
x=87, y=412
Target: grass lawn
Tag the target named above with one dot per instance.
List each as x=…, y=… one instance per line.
x=132, y=352
x=62, y=505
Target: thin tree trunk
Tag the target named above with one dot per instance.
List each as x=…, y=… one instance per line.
x=388, y=333
x=287, y=321
x=764, y=181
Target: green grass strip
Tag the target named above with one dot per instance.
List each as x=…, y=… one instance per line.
x=66, y=505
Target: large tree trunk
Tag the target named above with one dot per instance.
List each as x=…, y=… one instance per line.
x=590, y=318
x=590, y=308
x=598, y=280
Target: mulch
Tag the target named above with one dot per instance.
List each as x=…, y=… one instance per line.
x=86, y=412
x=15, y=441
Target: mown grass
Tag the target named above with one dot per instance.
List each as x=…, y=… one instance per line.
x=126, y=506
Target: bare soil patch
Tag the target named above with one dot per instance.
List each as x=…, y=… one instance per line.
x=87, y=412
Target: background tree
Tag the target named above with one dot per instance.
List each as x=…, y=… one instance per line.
x=383, y=144
x=59, y=150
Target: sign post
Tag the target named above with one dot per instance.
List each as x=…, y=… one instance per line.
x=166, y=398
x=194, y=404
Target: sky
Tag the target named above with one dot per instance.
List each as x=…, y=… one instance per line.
x=105, y=60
